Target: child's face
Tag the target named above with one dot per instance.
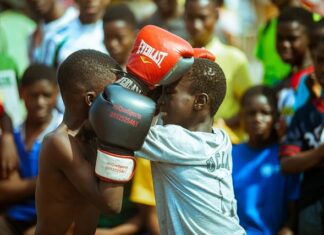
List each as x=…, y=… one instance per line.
x=318, y=60
x=200, y=19
x=176, y=103
x=258, y=117
x=41, y=7
x=292, y=42
x=166, y=7
x=119, y=39
x=92, y=8
x=40, y=99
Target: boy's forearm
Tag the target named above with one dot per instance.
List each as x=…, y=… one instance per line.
x=302, y=161
x=15, y=191
x=112, y=195
x=6, y=123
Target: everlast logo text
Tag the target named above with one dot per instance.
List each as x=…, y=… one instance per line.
x=152, y=53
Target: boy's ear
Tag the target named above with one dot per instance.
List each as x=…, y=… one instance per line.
x=201, y=101
x=90, y=97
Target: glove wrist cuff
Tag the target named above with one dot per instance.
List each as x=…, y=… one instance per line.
x=111, y=167
x=132, y=83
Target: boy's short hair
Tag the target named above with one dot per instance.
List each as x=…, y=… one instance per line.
x=299, y=14
x=86, y=69
x=208, y=77
x=36, y=72
x=120, y=12
x=263, y=90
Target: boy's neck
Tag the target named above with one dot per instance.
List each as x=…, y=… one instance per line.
x=73, y=122
x=259, y=143
x=307, y=61
x=85, y=19
x=204, y=126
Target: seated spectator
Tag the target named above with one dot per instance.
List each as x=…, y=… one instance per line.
x=266, y=199
x=302, y=152
x=38, y=90
x=293, y=29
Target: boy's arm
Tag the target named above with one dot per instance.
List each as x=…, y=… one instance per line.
x=292, y=157
x=65, y=154
x=302, y=161
x=15, y=189
x=149, y=214
x=290, y=224
x=8, y=154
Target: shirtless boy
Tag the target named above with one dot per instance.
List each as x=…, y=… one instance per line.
x=68, y=192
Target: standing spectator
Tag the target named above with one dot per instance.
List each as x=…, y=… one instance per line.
x=302, y=151
x=53, y=18
x=266, y=199
x=168, y=15
x=84, y=32
x=274, y=67
x=293, y=28
x=201, y=17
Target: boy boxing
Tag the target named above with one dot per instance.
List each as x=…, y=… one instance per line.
x=191, y=161
x=67, y=190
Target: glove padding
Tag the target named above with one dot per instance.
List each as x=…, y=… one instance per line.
x=121, y=120
x=158, y=57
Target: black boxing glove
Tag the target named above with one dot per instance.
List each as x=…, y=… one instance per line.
x=121, y=119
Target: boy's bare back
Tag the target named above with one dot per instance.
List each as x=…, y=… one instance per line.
x=59, y=201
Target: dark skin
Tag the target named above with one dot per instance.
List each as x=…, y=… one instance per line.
x=48, y=10
x=67, y=190
x=8, y=152
x=119, y=39
x=292, y=45
x=180, y=107
x=166, y=8
x=200, y=19
x=91, y=10
x=259, y=120
x=308, y=159
x=40, y=99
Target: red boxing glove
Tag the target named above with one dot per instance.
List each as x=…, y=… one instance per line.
x=158, y=57
x=203, y=53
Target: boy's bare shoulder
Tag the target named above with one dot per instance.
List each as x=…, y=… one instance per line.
x=57, y=145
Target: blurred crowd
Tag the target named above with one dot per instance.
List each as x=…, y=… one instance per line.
x=273, y=110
